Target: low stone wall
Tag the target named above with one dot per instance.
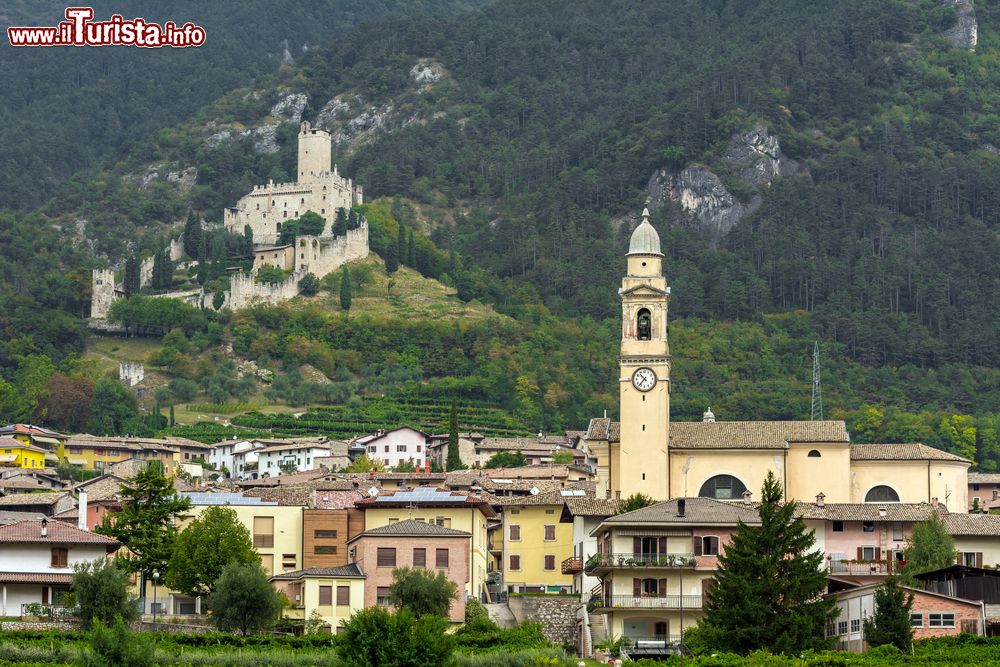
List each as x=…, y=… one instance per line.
x=40, y=625
x=557, y=614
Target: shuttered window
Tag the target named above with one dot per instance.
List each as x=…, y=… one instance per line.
x=550, y=562
x=263, y=531
x=344, y=595
x=515, y=532
x=386, y=557
x=420, y=557
x=326, y=594
x=550, y=532
x=441, y=558
x=515, y=562
x=60, y=557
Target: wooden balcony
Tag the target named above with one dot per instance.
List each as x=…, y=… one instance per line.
x=572, y=565
x=605, y=562
x=871, y=568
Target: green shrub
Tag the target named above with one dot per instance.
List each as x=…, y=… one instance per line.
x=374, y=637
x=116, y=646
x=482, y=637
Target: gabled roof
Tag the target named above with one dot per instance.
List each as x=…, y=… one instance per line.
x=425, y=496
x=7, y=442
x=972, y=524
x=351, y=571
x=398, y=428
x=591, y=506
x=901, y=452
x=869, y=511
x=642, y=288
x=984, y=478
x=753, y=434
x=57, y=532
x=411, y=528
x=697, y=511
x=29, y=429
x=49, y=498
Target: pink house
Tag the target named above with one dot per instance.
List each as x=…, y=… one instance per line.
x=411, y=543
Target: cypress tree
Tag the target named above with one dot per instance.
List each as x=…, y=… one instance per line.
x=172, y=422
x=411, y=253
x=132, y=280
x=391, y=259
x=192, y=235
x=345, y=289
x=401, y=255
x=202, y=258
x=767, y=590
x=454, y=461
x=340, y=223
x=248, y=240
x=890, y=624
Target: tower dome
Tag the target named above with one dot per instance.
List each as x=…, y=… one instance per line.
x=645, y=240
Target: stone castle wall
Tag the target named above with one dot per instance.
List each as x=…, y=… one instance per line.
x=245, y=291
x=131, y=373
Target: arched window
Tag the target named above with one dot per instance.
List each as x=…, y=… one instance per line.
x=710, y=545
x=644, y=326
x=723, y=487
x=881, y=494
x=814, y=454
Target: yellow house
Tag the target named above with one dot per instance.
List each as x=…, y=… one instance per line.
x=451, y=509
x=97, y=453
x=535, y=541
x=43, y=438
x=333, y=593
x=17, y=454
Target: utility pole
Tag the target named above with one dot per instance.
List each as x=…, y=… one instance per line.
x=817, y=399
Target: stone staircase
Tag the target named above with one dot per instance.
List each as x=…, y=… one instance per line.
x=501, y=615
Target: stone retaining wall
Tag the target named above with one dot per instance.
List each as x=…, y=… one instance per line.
x=557, y=614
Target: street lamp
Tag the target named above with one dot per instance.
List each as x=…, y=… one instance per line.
x=156, y=579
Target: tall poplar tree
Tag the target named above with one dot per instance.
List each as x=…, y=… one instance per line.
x=411, y=252
x=454, y=460
x=132, y=280
x=767, y=592
x=401, y=245
x=345, y=289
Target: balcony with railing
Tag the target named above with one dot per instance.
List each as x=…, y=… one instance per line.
x=605, y=562
x=572, y=565
x=862, y=568
x=647, y=602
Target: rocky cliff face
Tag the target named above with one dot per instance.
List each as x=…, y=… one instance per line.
x=753, y=157
x=965, y=32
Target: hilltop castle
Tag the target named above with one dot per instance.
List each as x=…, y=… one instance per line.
x=319, y=189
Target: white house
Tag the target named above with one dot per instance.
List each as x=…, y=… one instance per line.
x=398, y=445
x=301, y=455
x=237, y=457
x=37, y=559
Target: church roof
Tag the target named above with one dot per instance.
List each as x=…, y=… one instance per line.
x=645, y=240
x=869, y=511
x=753, y=435
x=901, y=452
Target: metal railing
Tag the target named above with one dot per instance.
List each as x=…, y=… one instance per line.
x=49, y=611
x=652, y=645
x=572, y=565
x=860, y=567
x=650, y=602
x=623, y=560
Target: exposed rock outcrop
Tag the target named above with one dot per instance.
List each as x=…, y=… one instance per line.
x=290, y=107
x=965, y=32
x=427, y=72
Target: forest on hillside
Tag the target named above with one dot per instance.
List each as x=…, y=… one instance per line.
x=531, y=152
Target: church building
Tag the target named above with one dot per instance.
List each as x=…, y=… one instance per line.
x=647, y=453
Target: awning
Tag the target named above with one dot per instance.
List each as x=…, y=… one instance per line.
x=76, y=460
x=34, y=578
x=46, y=440
x=49, y=456
x=8, y=458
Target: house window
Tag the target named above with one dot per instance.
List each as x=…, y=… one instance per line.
x=814, y=454
x=263, y=531
x=387, y=449
x=897, y=530
x=418, y=449
x=325, y=534
x=969, y=558
x=326, y=594
x=842, y=628
x=400, y=448
x=838, y=526
x=288, y=561
x=441, y=558
x=60, y=557
x=550, y=562
x=881, y=494
x=550, y=532
x=868, y=526
x=515, y=532
x=867, y=553
x=916, y=620
x=325, y=549
x=515, y=562
x=382, y=596
x=941, y=620
x=855, y=625
x=710, y=545
x=419, y=557
x=443, y=521
x=386, y=557
x=343, y=595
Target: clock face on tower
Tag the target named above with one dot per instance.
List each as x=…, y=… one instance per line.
x=644, y=379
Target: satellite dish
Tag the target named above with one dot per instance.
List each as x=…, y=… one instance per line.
x=534, y=491
x=373, y=491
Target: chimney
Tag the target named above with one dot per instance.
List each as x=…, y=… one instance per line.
x=681, y=506
x=81, y=521
x=882, y=511
x=618, y=495
x=820, y=499
x=708, y=416
x=45, y=527
x=427, y=467
x=747, y=495
x=934, y=501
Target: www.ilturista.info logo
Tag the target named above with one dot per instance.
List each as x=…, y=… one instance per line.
x=80, y=30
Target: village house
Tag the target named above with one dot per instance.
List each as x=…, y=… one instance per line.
x=334, y=593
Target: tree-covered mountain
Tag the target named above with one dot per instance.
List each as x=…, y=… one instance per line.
x=529, y=134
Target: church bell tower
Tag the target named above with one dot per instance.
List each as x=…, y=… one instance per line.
x=638, y=464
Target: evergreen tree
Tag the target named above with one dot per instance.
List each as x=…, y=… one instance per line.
x=454, y=461
x=767, y=590
x=890, y=624
x=345, y=289
x=244, y=599
x=202, y=259
x=131, y=284
x=340, y=223
x=353, y=220
x=411, y=251
x=248, y=240
x=401, y=245
x=192, y=236
x=391, y=259
x=929, y=547
x=219, y=257
x=172, y=422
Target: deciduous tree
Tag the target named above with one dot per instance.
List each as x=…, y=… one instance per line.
x=422, y=591
x=205, y=547
x=929, y=547
x=244, y=599
x=102, y=592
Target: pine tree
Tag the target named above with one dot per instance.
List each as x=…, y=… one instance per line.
x=340, y=223
x=890, y=624
x=454, y=461
x=345, y=289
x=192, y=235
x=163, y=270
x=202, y=258
x=411, y=252
x=767, y=590
x=401, y=255
x=391, y=259
x=131, y=282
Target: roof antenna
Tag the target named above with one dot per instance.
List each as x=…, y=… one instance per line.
x=817, y=401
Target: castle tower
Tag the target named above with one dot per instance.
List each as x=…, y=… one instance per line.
x=314, y=152
x=640, y=463
x=102, y=292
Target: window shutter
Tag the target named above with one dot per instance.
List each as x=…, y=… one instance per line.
x=661, y=587
x=979, y=559
x=697, y=546
x=637, y=587
x=861, y=553
x=45, y=594
x=958, y=559
x=636, y=545
x=878, y=553
x=662, y=545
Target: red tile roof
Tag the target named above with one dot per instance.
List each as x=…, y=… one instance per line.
x=30, y=532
